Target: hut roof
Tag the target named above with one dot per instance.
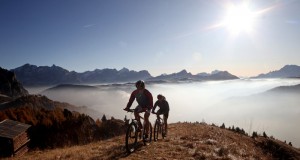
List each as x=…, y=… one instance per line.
x=11, y=129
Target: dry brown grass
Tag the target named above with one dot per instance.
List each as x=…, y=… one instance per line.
x=185, y=141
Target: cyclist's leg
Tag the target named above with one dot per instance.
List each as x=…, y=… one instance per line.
x=146, y=118
x=166, y=115
x=138, y=109
x=158, y=113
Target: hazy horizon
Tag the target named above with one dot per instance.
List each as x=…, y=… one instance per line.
x=210, y=101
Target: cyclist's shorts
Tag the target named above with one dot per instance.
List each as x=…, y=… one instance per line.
x=139, y=109
x=165, y=113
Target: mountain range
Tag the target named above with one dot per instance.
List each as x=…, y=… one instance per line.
x=184, y=75
x=288, y=71
x=44, y=75
x=32, y=75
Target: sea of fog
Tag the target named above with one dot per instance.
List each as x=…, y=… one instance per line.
x=211, y=102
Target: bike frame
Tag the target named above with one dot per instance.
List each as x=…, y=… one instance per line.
x=134, y=123
x=159, y=127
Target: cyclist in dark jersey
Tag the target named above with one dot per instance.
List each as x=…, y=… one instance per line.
x=145, y=103
x=163, y=109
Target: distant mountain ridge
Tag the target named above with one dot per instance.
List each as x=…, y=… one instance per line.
x=44, y=75
x=184, y=75
x=32, y=75
x=288, y=71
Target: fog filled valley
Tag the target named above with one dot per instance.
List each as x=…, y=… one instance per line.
x=251, y=104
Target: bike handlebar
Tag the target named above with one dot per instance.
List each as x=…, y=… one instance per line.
x=158, y=116
x=132, y=110
x=154, y=113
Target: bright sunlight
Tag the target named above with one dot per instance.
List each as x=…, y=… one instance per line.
x=239, y=19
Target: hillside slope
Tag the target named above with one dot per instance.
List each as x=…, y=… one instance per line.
x=9, y=85
x=185, y=141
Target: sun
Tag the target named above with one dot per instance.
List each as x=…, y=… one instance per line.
x=239, y=19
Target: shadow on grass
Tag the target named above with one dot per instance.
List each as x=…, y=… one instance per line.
x=117, y=152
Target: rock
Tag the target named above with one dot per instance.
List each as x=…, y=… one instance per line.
x=9, y=85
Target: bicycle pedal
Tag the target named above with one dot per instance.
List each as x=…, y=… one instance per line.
x=146, y=140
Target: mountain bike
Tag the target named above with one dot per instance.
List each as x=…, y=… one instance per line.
x=134, y=132
x=159, y=128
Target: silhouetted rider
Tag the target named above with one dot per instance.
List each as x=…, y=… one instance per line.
x=163, y=109
x=145, y=104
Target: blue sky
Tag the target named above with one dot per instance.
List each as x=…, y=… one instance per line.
x=161, y=36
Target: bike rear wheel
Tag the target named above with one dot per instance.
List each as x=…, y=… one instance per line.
x=149, y=139
x=151, y=130
x=131, y=137
x=163, y=130
x=157, y=130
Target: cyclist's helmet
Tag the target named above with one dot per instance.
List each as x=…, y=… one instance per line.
x=140, y=84
x=159, y=96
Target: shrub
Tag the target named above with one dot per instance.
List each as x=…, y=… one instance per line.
x=223, y=126
x=265, y=135
x=103, y=119
x=254, y=135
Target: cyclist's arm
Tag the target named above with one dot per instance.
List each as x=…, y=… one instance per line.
x=131, y=99
x=154, y=107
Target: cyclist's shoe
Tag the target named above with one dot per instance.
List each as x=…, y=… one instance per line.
x=146, y=137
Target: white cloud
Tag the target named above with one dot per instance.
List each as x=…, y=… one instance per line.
x=88, y=25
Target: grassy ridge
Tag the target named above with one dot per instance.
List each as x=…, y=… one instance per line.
x=185, y=141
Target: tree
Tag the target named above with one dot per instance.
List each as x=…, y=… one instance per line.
x=254, y=135
x=237, y=129
x=265, y=135
x=67, y=114
x=103, y=119
x=223, y=126
x=233, y=129
x=98, y=122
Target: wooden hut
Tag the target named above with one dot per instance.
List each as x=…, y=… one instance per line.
x=13, y=138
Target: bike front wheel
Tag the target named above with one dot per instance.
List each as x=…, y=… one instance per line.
x=131, y=137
